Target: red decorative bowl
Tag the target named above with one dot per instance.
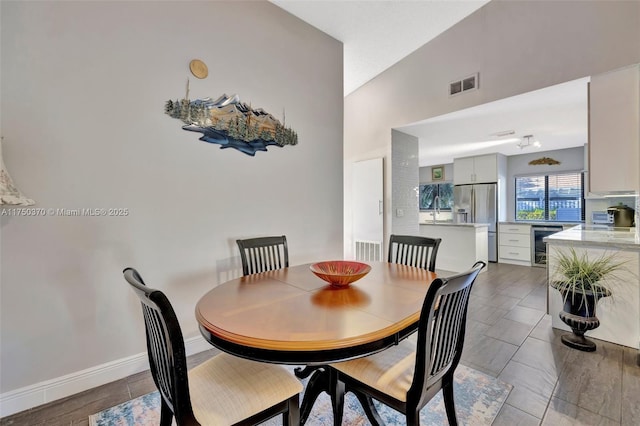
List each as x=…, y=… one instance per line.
x=340, y=273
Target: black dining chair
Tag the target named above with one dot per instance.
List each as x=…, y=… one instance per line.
x=225, y=390
x=406, y=376
x=410, y=250
x=263, y=254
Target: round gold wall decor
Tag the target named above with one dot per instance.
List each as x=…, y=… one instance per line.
x=198, y=68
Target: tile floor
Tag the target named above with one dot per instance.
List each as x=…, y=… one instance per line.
x=509, y=336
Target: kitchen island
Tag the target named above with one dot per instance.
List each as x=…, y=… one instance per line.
x=462, y=244
x=619, y=314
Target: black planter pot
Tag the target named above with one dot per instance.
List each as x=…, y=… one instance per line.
x=579, y=313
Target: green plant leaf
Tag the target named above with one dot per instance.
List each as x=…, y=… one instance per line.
x=576, y=275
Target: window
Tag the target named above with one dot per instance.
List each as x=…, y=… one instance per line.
x=428, y=194
x=552, y=198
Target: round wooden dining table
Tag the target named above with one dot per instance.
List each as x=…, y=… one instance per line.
x=290, y=316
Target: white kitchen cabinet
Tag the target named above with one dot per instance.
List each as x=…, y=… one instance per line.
x=614, y=131
x=479, y=169
x=514, y=244
x=486, y=168
x=463, y=170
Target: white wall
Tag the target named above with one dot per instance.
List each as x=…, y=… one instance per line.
x=83, y=92
x=516, y=47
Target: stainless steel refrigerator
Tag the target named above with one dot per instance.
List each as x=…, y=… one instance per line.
x=479, y=204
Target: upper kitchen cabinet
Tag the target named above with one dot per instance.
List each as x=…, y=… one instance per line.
x=479, y=169
x=614, y=131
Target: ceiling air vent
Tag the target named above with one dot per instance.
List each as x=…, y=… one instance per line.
x=463, y=85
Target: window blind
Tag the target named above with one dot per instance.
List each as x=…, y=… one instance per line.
x=551, y=197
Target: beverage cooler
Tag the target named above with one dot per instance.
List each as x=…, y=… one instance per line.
x=538, y=246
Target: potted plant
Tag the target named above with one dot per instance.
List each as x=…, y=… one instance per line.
x=582, y=282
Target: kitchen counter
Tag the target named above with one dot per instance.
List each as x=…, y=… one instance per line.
x=466, y=225
x=599, y=236
x=541, y=223
x=462, y=244
x=619, y=314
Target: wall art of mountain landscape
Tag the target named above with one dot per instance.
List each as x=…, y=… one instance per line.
x=231, y=124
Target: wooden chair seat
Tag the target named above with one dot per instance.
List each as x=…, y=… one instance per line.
x=226, y=390
x=389, y=371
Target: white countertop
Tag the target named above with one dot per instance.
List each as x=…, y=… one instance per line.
x=466, y=225
x=601, y=236
x=540, y=223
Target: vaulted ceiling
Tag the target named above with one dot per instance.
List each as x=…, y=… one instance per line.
x=377, y=34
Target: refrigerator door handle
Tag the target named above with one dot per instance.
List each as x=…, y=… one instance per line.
x=473, y=206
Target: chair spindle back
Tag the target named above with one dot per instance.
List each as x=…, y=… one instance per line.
x=165, y=347
x=410, y=250
x=442, y=329
x=263, y=254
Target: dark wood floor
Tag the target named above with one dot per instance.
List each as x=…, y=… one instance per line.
x=509, y=336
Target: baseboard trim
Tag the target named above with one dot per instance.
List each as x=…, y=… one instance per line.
x=44, y=392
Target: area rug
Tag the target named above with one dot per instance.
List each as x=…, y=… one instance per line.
x=478, y=397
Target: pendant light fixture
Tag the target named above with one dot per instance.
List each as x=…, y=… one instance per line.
x=526, y=142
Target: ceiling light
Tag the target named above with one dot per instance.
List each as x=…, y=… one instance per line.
x=527, y=142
